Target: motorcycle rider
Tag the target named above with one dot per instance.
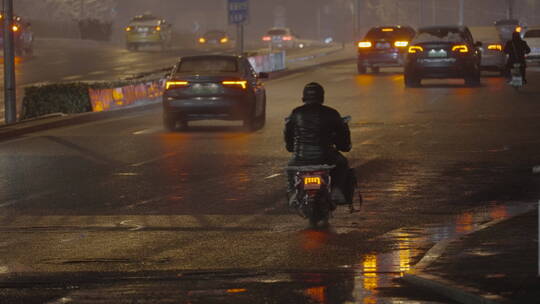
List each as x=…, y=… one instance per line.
x=516, y=49
x=315, y=134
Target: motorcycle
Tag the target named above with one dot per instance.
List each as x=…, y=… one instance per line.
x=313, y=188
x=516, y=80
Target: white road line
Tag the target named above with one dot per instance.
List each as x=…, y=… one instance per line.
x=146, y=162
x=98, y=73
x=273, y=175
x=74, y=77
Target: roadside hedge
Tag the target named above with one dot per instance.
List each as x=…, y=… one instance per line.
x=67, y=98
x=46, y=99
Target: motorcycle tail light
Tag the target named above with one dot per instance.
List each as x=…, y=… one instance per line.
x=176, y=84
x=241, y=83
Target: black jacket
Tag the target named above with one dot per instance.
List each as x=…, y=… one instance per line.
x=314, y=132
x=516, y=50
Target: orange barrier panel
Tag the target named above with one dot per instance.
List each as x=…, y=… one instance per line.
x=108, y=99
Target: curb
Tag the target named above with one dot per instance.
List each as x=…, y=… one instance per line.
x=45, y=123
x=452, y=290
x=461, y=294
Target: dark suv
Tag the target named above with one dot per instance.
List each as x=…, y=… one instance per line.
x=443, y=52
x=383, y=47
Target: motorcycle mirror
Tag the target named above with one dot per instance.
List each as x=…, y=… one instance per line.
x=347, y=119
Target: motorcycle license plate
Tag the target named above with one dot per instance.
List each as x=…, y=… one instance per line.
x=312, y=182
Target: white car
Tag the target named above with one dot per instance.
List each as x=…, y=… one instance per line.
x=492, y=49
x=532, y=37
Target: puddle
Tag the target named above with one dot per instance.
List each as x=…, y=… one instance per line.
x=378, y=269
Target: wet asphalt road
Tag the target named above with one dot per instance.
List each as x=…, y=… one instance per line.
x=119, y=210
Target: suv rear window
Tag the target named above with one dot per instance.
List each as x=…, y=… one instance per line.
x=389, y=33
x=208, y=65
x=277, y=32
x=440, y=34
x=532, y=34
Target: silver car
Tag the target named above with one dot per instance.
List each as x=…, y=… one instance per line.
x=492, y=49
x=532, y=37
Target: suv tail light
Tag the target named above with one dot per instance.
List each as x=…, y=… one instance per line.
x=267, y=38
x=287, y=38
x=241, y=83
x=364, y=44
x=176, y=84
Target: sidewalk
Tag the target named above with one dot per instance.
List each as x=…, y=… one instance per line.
x=496, y=265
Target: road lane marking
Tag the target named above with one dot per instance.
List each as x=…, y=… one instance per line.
x=98, y=73
x=74, y=77
x=27, y=198
x=134, y=227
x=148, y=131
x=153, y=160
x=273, y=175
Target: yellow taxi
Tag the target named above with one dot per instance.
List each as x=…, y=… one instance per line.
x=148, y=30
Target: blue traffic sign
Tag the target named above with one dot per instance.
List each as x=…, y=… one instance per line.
x=238, y=11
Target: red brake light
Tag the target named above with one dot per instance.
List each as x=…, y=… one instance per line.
x=241, y=83
x=176, y=84
x=267, y=38
x=287, y=38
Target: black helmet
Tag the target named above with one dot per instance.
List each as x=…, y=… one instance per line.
x=313, y=93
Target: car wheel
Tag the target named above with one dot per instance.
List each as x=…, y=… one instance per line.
x=412, y=81
x=250, y=122
x=361, y=69
x=473, y=80
x=169, y=122
x=261, y=121
x=375, y=70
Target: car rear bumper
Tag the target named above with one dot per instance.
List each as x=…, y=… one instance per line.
x=440, y=68
x=199, y=108
x=149, y=39
x=381, y=59
x=493, y=61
